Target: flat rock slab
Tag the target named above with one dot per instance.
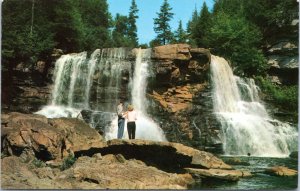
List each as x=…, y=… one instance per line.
x=229, y=175
x=281, y=171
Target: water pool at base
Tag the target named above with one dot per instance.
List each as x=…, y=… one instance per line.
x=259, y=180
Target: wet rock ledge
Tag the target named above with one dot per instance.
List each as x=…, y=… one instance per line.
x=35, y=148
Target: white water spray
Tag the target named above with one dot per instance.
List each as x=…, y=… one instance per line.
x=146, y=128
x=246, y=125
x=91, y=65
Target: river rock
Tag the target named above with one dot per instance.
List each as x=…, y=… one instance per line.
x=281, y=171
x=229, y=175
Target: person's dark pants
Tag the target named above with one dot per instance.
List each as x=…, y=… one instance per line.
x=121, y=123
x=131, y=130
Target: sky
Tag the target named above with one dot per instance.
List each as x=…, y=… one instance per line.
x=148, y=9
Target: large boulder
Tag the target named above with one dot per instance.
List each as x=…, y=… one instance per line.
x=22, y=132
x=79, y=135
x=47, y=139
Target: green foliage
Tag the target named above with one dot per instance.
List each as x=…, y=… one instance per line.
x=120, y=31
x=38, y=163
x=144, y=46
x=96, y=20
x=190, y=28
x=31, y=29
x=68, y=162
x=161, y=24
x=286, y=96
x=180, y=36
x=132, y=29
x=201, y=27
x=241, y=29
x=124, y=32
x=236, y=39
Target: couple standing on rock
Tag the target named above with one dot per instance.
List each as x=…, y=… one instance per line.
x=130, y=115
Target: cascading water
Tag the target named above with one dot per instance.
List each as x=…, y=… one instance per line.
x=246, y=125
x=146, y=128
x=74, y=77
x=96, y=83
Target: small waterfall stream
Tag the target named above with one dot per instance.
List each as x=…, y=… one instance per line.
x=246, y=125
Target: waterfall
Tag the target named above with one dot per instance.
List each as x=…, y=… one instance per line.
x=96, y=83
x=146, y=128
x=91, y=65
x=74, y=76
x=246, y=125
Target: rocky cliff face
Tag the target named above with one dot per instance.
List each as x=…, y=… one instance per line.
x=180, y=94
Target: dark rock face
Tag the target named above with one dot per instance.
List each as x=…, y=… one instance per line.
x=282, y=54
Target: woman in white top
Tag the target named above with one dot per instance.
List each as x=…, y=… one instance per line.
x=131, y=118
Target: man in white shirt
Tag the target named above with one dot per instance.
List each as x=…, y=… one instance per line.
x=121, y=120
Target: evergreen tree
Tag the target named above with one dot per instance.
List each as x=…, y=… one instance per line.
x=191, y=24
x=120, y=32
x=96, y=22
x=161, y=24
x=201, y=28
x=69, y=29
x=180, y=35
x=190, y=27
x=132, y=29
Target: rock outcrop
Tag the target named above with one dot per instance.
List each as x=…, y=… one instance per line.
x=219, y=174
x=97, y=172
x=165, y=155
x=46, y=139
x=282, y=54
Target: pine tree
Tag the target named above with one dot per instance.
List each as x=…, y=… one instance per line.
x=161, y=24
x=190, y=27
x=132, y=29
x=180, y=34
x=200, y=31
x=120, y=31
x=191, y=24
